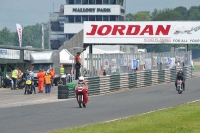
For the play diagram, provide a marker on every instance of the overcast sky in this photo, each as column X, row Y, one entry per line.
column 29, row 12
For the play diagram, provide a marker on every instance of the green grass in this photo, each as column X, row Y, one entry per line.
column 179, row 119
column 196, row 68
column 198, row 59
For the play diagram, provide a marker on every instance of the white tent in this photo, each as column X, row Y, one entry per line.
column 100, row 51
column 96, row 51
column 66, row 57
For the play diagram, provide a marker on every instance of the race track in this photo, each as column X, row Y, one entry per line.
column 46, row 117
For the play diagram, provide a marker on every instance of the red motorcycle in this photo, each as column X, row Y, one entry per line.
column 82, row 94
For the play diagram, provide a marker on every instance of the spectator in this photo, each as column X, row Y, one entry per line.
column 14, row 77
column 47, row 83
column 104, row 72
column 40, row 77
column 178, row 63
column 52, row 73
column 62, row 69
column 77, row 63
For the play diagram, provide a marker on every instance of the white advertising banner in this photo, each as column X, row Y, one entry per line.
column 144, row 32
column 148, row 63
column 113, row 65
column 106, row 63
column 129, row 62
column 19, row 31
column 172, row 63
column 9, row 54
column 125, row 62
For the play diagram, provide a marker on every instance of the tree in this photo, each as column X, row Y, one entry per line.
column 142, row 16
column 6, row 36
column 194, row 13
column 183, row 11
column 168, row 15
column 154, row 14
column 129, row 17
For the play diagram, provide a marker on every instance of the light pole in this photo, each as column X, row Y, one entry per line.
column 73, row 53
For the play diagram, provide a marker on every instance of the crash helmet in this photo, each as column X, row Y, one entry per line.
column 81, row 79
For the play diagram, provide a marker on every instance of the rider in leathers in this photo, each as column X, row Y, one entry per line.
column 180, row 76
column 81, row 81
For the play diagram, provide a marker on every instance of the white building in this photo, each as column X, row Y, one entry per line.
column 69, row 21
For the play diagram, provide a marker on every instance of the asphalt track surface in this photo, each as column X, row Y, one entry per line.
column 55, row 115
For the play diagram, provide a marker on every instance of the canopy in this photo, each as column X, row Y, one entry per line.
column 66, row 57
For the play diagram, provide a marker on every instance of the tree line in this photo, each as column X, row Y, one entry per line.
column 32, row 34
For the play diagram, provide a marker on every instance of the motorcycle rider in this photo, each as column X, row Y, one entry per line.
column 30, row 77
column 81, row 81
column 180, row 76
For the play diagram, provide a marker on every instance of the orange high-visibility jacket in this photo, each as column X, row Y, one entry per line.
column 47, row 79
column 52, row 73
column 77, row 57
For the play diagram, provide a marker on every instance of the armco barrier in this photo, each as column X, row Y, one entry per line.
column 107, row 84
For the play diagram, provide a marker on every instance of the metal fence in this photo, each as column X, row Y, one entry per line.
column 113, row 64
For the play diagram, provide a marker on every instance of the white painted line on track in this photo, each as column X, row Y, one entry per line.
column 24, row 103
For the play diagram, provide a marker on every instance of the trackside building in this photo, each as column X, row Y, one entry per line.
column 69, row 21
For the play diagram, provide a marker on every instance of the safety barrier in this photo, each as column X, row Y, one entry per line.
column 111, row 83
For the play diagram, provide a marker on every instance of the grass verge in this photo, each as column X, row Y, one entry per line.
column 196, row 68
column 179, row 119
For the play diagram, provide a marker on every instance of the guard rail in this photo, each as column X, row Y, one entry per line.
column 111, row 83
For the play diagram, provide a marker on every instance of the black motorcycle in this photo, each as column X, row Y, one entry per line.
column 21, row 83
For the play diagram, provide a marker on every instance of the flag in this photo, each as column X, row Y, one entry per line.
column 19, row 30
column 42, row 36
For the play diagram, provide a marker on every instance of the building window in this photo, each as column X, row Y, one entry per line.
column 77, row 1
column 121, row 2
column 70, row 36
column 78, row 19
column 85, row 18
column 91, row 2
column 105, row 18
column 105, row 1
column 91, row 18
column 121, row 18
column 71, row 19
column 71, row 1
column 112, row 18
column 99, row 18
column 122, row 11
column 98, row 1
column 85, row 1
column 113, row 2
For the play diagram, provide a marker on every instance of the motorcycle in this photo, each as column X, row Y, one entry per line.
column 81, row 95
column 28, row 87
column 21, row 83
column 179, row 86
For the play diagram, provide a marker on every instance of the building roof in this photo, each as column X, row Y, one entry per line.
column 22, row 48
